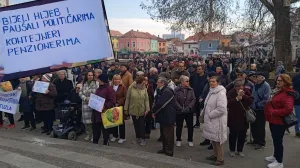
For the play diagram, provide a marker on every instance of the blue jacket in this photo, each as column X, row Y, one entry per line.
column 261, row 93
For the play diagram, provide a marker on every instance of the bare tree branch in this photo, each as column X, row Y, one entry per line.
column 268, row 5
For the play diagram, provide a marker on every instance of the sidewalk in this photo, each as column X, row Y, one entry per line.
column 185, row 154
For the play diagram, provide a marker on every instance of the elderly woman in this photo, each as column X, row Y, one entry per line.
column 63, row 86
column 106, row 92
column 185, row 100
column 26, row 105
column 121, row 91
column 89, row 87
column 215, row 119
column 6, row 87
column 45, row 104
column 137, row 105
column 279, row 105
column 97, row 73
column 238, row 99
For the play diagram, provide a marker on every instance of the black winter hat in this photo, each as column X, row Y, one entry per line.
column 103, row 77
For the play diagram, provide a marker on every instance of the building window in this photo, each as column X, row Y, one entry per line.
column 164, row 44
column 159, row 44
column 189, row 46
column 148, row 44
column 133, row 44
column 113, row 45
column 121, row 45
column 138, row 44
column 128, row 44
column 223, row 44
column 141, row 44
column 209, row 45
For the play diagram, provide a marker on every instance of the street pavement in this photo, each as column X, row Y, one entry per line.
column 25, row 149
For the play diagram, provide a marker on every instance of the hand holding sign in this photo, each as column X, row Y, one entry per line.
column 96, row 102
column 40, row 87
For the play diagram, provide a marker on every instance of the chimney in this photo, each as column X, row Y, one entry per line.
column 137, row 30
column 158, row 36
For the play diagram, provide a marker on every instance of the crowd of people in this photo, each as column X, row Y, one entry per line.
column 170, row 92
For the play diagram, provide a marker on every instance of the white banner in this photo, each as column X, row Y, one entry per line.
column 40, row 87
column 58, row 33
column 96, row 102
column 9, row 101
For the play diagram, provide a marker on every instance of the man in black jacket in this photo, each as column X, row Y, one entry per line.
column 198, row 83
column 165, row 109
column 63, row 87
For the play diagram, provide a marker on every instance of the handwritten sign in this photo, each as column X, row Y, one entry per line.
column 96, row 102
column 40, row 87
column 9, row 101
column 53, row 33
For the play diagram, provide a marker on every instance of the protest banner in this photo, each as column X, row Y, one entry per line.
column 96, row 102
column 9, row 101
column 52, row 34
column 40, row 87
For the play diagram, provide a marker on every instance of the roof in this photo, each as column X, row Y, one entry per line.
column 135, row 34
column 150, row 36
column 161, row 40
column 205, row 36
column 115, row 33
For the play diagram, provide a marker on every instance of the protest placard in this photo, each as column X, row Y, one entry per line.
column 40, row 87
column 9, row 101
column 52, row 34
column 96, row 102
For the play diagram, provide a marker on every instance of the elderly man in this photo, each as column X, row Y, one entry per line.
column 63, row 86
column 165, row 108
column 153, row 75
column 242, row 75
column 260, row 94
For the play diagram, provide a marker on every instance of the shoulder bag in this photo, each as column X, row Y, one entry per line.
column 289, row 120
column 250, row 114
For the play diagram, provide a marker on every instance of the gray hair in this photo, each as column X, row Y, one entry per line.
column 164, row 80
column 98, row 71
column 280, row 63
column 153, row 70
column 183, row 78
column 239, row 82
column 165, row 75
column 140, row 73
column 62, row 71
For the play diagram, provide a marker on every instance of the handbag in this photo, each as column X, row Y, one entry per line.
column 289, row 120
column 250, row 114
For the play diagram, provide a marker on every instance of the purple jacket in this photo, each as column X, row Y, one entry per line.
column 106, row 92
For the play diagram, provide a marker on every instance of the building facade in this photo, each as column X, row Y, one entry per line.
column 153, row 42
column 162, row 46
column 190, row 48
column 135, row 41
column 208, row 47
column 114, row 35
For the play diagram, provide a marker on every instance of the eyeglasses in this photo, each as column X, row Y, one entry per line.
column 240, row 74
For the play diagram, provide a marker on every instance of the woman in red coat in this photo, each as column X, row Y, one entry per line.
column 236, row 117
column 280, row 104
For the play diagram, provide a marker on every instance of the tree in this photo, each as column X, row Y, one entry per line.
column 202, row 14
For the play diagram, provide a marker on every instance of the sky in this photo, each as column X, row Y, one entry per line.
column 125, row 15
